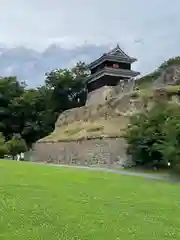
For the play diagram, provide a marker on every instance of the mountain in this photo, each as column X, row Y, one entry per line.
column 30, row 65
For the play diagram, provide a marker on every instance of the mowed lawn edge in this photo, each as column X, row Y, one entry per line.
column 42, row 202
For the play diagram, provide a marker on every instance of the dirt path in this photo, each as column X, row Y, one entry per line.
column 153, row 176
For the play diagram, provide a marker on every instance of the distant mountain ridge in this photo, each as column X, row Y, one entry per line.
column 30, row 65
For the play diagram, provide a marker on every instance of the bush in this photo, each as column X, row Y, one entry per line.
column 3, row 148
column 16, row 145
column 153, row 137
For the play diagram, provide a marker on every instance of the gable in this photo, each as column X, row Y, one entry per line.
column 118, row 52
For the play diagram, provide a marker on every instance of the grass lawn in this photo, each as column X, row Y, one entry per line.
column 41, row 202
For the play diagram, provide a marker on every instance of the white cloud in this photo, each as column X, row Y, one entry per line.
column 38, row 23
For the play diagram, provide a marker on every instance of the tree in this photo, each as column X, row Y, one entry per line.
column 16, row 145
column 32, row 113
column 28, row 115
column 10, row 88
column 169, row 146
column 3, row 148
column 67, row 87
column 153, row 136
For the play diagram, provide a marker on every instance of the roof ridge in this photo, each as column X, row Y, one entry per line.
column 116, row 50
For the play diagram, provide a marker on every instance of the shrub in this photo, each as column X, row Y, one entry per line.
column 3, row 148
column 16, row 145
column 153, row 136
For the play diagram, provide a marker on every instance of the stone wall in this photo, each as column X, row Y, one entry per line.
column 170, row 76
column 113, row 107
column 106, row 152
column 100, row 95
column 103, row 94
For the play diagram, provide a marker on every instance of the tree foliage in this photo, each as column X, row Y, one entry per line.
column 16, row 145
column 32, row 112
column 154, row 136
column 3, row 148
column 67, row 87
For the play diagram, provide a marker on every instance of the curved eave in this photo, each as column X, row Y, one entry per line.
column 112, row 72
column 111, row 58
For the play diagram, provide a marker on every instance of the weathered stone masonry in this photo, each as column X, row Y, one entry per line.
column 107, row 151
column 110, row 80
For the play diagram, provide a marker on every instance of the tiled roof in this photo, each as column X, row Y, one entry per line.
column 112, row 72
column 117, row 51
column 116, row 54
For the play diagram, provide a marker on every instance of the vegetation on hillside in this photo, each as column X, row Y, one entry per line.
column 148, row 79
column 153, row 137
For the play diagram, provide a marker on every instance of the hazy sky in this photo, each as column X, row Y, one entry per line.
column 148, row 30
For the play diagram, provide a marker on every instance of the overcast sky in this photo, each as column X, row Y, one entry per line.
column 148, row 30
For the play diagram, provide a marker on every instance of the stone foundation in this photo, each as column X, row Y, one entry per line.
column 104, row 152
column 105, row 93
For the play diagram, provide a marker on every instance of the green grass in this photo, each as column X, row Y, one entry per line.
column 45, row 202
column 164, row 172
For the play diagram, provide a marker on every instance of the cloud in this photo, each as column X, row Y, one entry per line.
column 148, row 30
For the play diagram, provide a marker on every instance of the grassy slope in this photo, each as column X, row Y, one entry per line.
column 115, row 123
column 43, row 202
column 80, row 129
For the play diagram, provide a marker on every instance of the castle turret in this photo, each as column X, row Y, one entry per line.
column 112, row 69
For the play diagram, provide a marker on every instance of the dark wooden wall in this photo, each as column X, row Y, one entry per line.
column 104, row 81
column 111, row 64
